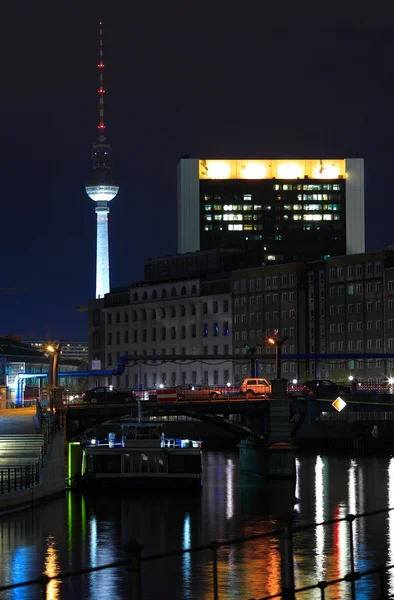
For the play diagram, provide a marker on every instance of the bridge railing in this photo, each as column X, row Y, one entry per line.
column 285, row 533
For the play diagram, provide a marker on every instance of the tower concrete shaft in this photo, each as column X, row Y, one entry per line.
column 102, row 251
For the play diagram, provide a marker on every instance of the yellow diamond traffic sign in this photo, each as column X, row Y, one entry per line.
column 339, row 404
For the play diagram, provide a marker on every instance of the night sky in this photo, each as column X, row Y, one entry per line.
column 216, row 79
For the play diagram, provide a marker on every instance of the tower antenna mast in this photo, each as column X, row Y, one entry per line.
column 101, row 91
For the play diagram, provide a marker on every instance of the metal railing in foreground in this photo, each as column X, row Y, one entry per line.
column 14, row 479
column 285, row 534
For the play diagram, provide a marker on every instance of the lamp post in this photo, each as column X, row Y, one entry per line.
column 251, row 350
column 53, row 353
column 278, row 343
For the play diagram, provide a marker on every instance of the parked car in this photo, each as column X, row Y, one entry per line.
column 255, row 386
column 324, row 387
column 104, row 395
column 196, row 392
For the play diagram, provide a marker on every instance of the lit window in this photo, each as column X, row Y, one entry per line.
column 327, row 217
column 257, row 207
column 297, row 206
column 235, row 227
column 297, row 217
column 217, row 207
column 217, row 217
column 312, row 217
column 207, row 217
column 208, row 207
column 247, row 197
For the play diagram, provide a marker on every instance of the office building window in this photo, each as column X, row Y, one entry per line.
column 109, row 338
column 205, row 330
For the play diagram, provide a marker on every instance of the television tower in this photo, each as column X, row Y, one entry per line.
column 101, row 188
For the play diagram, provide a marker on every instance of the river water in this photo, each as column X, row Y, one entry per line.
column 76, row 531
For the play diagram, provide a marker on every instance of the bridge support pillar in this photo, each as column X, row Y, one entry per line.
column 273, row 456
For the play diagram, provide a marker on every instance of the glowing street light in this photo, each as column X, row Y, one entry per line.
column 278, row 343
column 350, row 377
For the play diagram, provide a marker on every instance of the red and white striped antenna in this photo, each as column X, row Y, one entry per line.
column 101, row 91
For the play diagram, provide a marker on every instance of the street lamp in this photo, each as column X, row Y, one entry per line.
column 53, row 351
column 278, row 343
column 251, row 350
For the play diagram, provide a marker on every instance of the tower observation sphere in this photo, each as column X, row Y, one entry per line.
column 101, row 188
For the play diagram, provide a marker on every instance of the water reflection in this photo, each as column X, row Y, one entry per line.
column 390, row 533
column 319, row 517
column 52, row 568
column 186, row 558
column 92, row 531
column 230, row 491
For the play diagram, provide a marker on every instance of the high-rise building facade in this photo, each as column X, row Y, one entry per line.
column 273, row 210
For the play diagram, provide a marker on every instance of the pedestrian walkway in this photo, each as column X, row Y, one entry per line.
column 18, row 420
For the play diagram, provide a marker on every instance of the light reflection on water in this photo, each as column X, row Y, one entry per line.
column 74, row 532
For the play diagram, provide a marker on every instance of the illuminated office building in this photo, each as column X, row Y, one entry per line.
column 272, row 210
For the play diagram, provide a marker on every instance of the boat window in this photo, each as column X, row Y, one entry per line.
column 107, row 463
column 193, row 464
column 176, row 464
column 144, row 463
column 127, row 463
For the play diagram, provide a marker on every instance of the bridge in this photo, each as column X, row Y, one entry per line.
column 212, row 411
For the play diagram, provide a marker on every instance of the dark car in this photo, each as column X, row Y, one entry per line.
column 324, row 387
column 196, row 392
column 104, row 395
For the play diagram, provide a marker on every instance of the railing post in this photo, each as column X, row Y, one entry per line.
column 215, row 547
column 9, row 480
column 44, row 580
column 2, row 481
column 134, row 550
column 350, row 519
column 287, row 561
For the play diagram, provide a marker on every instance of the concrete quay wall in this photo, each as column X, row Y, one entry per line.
column 52, row 480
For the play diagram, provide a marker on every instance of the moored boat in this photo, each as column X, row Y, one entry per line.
column 141, row 458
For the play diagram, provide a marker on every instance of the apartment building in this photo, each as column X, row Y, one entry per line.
column 270, row 301
column 167, row 318
column 351, row 310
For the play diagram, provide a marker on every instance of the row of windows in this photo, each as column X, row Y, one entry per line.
column 162, row 333
column 285, row 297
column 259, row 334
column 356, row 289
column 371, row 363
column 260, row 349
column 286, row 314
column 359, row 345
column 171, row 311
column 314, row 187
column 370, row 269
column 359, row 326
column 163, row 293
column 357, row 308
column 155, row 379
column 269, row 281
